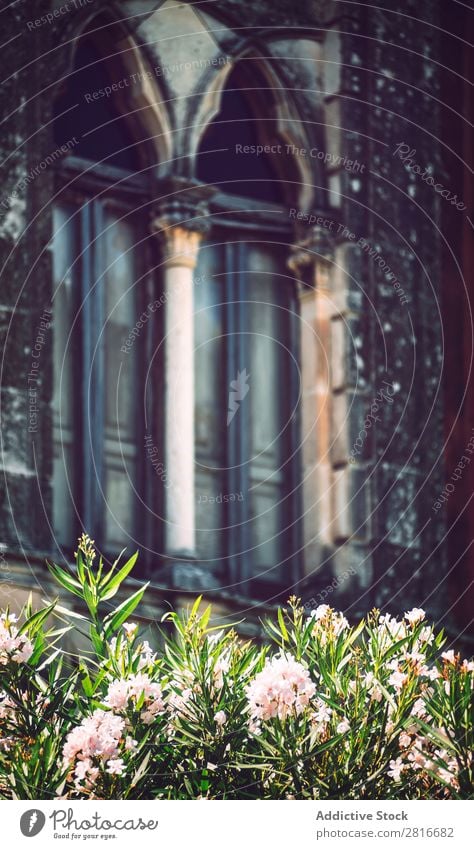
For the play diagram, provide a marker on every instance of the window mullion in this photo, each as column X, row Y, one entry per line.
column 92, row 370
column 87, row 511
column 244, row 423
column 98, row 365
column 232, row 517
column 295, row 492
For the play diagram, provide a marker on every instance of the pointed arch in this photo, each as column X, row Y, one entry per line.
column 277, row 122
column 111, row 90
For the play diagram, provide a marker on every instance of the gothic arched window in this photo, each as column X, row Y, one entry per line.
column 246, row 360
column 101, row 287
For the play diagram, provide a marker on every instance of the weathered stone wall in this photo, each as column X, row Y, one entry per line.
column 378, row 85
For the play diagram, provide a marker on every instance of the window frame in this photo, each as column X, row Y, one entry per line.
column 254, row 222
column 91, row 187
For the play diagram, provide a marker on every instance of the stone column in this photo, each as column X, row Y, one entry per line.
column 180, row 224
column 310, row 262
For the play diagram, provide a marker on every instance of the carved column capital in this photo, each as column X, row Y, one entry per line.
column 180, row 246
column 181, row 218
column 311, row 256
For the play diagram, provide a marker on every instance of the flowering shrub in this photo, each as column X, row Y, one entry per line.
column 323, row 710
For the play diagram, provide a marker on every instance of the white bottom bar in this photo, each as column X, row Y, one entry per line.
column 249, row 824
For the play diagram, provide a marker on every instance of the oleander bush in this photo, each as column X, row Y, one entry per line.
column 323, row 710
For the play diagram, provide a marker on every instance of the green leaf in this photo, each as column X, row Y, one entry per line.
column 195, row 608
column 49, row 659
column 109, row 574
column 141, row 769
column 80, row 566
column 65, row 579
column 33, row 624
column 205, row 617
column 114, row 620
column 110, row 587
column 282, row 625
column 96, row 640
column 72, row 613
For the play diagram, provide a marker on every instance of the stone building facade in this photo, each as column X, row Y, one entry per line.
column 221, row 298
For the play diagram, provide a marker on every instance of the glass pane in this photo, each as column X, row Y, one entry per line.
column 272, row 374
column 210, row 402
column 66, row 284
column 120, row 289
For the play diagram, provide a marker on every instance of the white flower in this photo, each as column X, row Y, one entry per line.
column 431, row 672
column 396, row 768
column 323, row 713
column 98, row 739
column 283, row 688
column 221, row 668
column 124, row 692
column 115, row 766
column 130, row 628
column 417, row 757
column 419, row 709
column 147, row 655
column 343, row 726
column 14, row 648
column 321, row 611
column 397, row 679
column 220, row 717
column 388, row 625
column 373, row 687
column 404, row 740
column 426, row 635
column 415, row 615
column 449, row 656
column 328, row 622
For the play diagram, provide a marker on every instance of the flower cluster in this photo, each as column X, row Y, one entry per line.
column 283, row 688
column 328, row 623
column 126, row 693
column 94, row 746
column 14, row 647
column 420, row 755
column 379, row 710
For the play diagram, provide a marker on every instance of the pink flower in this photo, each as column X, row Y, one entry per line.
column 220, row 718
column 328, row 622
column 283, row 688
column 14, row 648
column 124, row 693
column 115, row 766
column 397, row 679
column 415, row 615
column 389, row 626
column 96, row 740
column 373, row 687
column 419, row 709
column 396, row 768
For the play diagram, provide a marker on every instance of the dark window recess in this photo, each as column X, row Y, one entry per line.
column 102, row 133
column 98, row 392
column 246, row 367
column 241, row 122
